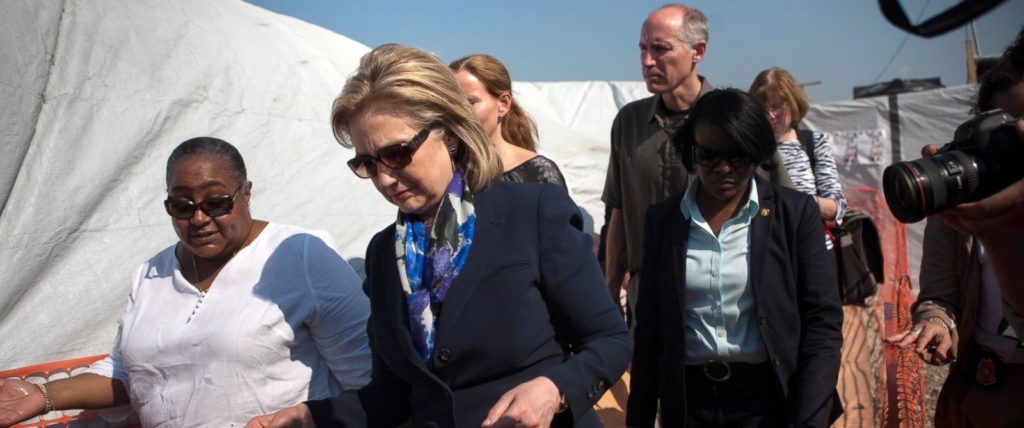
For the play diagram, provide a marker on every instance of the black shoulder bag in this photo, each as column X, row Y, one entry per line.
column 856, row 251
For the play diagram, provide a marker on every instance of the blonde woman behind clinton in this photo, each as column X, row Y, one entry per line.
column 488, row 87
column 786, row 104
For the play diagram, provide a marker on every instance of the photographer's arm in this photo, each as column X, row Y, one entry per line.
column 937, row 307
column 998, row 222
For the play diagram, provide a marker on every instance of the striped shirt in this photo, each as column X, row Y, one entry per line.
column 823, row 180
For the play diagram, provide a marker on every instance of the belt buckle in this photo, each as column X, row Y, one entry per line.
column 717, row 371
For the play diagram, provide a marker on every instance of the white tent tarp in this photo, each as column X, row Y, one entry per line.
column 97, row 93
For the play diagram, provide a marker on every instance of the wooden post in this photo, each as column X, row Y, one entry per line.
column 972, row 66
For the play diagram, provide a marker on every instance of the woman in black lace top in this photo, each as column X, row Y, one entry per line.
column 487, row 85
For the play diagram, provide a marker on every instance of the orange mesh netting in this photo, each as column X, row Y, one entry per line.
column 900, row 399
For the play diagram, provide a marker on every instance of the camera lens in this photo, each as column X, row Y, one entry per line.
column 916, row 189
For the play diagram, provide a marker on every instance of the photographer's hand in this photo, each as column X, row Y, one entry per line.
column 992, row 217
column 931, row 340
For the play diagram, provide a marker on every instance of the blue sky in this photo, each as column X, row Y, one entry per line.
column 842, row 43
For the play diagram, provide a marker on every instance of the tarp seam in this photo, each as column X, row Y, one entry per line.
column 39, row 109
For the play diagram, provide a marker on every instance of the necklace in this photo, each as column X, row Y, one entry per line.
column 196, row 272
column 195, row 268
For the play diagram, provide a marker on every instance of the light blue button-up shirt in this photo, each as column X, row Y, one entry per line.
column 721, row 321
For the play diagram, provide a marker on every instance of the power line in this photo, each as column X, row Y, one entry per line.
column 898, row 49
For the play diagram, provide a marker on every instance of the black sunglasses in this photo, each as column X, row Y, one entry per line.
column 710, row 158
column 395, row 156
column 216, row 206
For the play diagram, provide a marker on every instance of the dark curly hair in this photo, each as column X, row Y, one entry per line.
column 1005, row 74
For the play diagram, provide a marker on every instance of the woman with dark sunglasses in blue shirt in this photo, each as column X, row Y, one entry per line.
column 738, row 317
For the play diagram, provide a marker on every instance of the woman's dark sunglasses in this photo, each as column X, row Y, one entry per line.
column 710, row 158
column 216, row 206
column 395, row 156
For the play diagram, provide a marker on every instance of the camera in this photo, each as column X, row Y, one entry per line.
column 985, row 156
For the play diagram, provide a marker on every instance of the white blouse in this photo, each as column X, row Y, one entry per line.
column 284, row 322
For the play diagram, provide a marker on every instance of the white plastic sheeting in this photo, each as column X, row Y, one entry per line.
column 98, row 92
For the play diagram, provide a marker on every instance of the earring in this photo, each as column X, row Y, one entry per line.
column 453, row 149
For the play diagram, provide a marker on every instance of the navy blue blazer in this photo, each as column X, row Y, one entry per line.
column 529, row 302
column 795, row 296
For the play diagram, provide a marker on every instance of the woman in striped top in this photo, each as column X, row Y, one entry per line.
column 811, row 169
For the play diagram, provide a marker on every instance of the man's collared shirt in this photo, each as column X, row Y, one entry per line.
column 644, row 167
column 721, row 319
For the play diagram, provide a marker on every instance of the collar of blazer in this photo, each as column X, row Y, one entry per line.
column 761, row 230
column 486, row 245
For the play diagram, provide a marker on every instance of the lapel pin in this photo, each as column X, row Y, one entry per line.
column 764, row 212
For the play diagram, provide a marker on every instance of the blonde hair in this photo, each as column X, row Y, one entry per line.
column 417, row 86
column 516, row 127
column 778, row 82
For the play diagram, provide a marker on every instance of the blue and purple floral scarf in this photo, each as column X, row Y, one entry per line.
column 428, row 264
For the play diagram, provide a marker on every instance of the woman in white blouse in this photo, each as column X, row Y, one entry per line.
column 241, row 317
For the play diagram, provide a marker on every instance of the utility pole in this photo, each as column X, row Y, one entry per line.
column 971, row 50
column 972, row 66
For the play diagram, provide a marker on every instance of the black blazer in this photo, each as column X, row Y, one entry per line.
column 795, row 295
column 529, row 302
